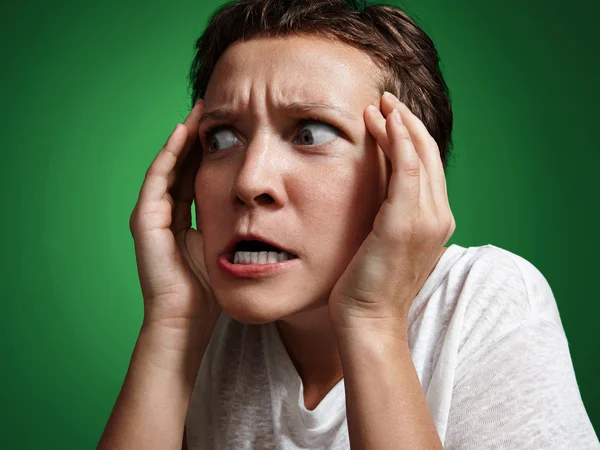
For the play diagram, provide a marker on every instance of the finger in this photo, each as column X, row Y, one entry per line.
column 183, row 190
column 405, row 182
column 191, row 123
column 188, row 165
column 162, row 173
column 428, row 151
column 376, row 125
column 425, row 145
column 157, row 176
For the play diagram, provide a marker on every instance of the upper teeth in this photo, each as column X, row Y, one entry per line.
column 260, row 257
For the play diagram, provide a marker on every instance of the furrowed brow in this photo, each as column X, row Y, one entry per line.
column 304, row 107
column 217, row 115
column 294, row 108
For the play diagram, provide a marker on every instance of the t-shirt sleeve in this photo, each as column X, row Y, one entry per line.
column 518, row 390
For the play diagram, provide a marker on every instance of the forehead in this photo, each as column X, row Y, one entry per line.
column 295, row 68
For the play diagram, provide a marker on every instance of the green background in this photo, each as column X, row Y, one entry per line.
column 90, row 92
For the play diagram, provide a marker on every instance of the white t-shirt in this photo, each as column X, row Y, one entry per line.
column 488, row 346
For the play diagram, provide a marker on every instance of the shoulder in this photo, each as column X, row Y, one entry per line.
column 509, row 358
column 490, row 276
column 541, row 301
column 481, row 294
column 501, row 281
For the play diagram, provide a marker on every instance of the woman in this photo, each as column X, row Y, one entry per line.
column 316, row 305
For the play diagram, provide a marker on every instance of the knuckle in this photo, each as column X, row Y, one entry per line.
column 400, row 105
column 152, row 171
column 430, row 229
column 432, row 141
column 133, row 220
column 446, row 228
column 412, row 169
column 450, row 228
column 403, row 133
column 452, row 225
column 412, row 227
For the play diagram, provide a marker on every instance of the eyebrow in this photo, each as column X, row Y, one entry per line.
column 225, row 114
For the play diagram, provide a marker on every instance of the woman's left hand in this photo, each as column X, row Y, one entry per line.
column 409, row 232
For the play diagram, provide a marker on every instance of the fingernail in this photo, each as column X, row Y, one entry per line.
column 389, row 95
column 397, row 117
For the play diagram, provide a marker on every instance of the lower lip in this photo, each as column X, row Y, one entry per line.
column 255, row 270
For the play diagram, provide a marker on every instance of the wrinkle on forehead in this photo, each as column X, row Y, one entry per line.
column 293, row 69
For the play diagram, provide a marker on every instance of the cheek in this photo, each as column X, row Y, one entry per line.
column 339, row 209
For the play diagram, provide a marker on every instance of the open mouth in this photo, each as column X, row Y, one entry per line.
column 257, row 252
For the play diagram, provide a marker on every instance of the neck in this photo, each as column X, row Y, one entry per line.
column 312, row 346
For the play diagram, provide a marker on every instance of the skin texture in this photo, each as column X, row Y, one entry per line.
column 319, row 201
column 365, row 207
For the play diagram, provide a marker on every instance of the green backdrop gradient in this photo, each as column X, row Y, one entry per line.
column 90, row 92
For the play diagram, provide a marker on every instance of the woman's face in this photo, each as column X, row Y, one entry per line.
column 291, row 162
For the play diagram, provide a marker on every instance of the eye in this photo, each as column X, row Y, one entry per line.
column 220, row 138
column 316, row 132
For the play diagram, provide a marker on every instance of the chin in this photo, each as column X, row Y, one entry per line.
column 258, row 306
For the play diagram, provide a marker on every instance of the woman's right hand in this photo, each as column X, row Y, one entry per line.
column 169, row 252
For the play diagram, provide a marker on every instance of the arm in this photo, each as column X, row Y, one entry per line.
column 385, row 404
column 520, row 392
column 151, row 408
column 369, row 304
column 180, row 311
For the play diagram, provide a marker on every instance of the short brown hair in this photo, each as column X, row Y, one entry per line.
column 399, row 47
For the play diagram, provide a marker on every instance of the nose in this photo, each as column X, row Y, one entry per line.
column 259, row 180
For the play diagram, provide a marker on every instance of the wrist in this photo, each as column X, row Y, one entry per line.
column 179, row 335
column 392, row 331
column 176, row 351
column 151, row 409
